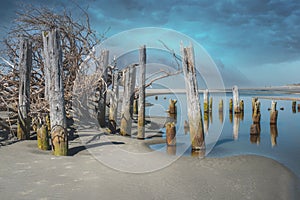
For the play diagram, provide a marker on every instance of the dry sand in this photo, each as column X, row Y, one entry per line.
column 28, row 173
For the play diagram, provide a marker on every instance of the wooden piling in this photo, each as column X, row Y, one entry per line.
column 242, row 105
column 42, row 136
column 256, row 113
column 205, row 101
column 193, row 102
column 254, row 99
column 294, row 103
column 141, row 100
column 135, row 106
column 129, row 75
column 25, row 64
column 210, row 104
column 170, row 133
column 172, row 106
column 273, row 113
column 230, row 105
column 236, row 102
column 53, row 61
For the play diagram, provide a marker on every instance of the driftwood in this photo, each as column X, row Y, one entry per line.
column 193, row 102
column 25, row 64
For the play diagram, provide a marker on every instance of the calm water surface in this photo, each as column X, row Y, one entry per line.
column 228, row 135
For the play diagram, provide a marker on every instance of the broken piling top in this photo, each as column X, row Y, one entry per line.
column 273, row 106
column 236, row 101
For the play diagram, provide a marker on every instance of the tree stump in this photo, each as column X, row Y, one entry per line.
column 53, row 61
column 129, row 75
column 193, row 102
column 25, row 64
column 43, row 137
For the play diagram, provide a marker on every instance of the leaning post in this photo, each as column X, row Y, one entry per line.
column 193, row 102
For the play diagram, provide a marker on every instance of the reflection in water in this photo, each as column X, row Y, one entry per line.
column 210, row 117
column 221, row 116
column 230, row 117
column 172, row 118
column 274, row 134
column 186, row 127
column 236, row 125
column 255, row 134
column 206, row 123
column 198, row 153
column 171, row 150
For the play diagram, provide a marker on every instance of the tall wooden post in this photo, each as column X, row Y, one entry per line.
column 193, row 102
column 141, row 100
column 53, row 61
column 25, row 64
column 129, row 76
column 114, row 98
column 102, row 99
column 256, row 113
column 236, row 102
column 205, row 100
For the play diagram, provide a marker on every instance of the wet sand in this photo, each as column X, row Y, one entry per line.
column 28, row 173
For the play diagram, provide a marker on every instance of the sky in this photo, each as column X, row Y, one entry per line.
column 253, row 42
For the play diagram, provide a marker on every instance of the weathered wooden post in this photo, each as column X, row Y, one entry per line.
column 230, row 117
column 193, row 103
column 256, row 113
column 205, row 100
column 114, row 98
column 103, row 89
column 242, row 105
column 274, row 134
column 210, row 104
column 129, row 75
column 25, row 64
column 170, row 133
column 273, row 113
column 135, row 106
column 298, row 107
column 53, row 61
column 141, row 100
column 294, row 103
column 236, row 102
column 230, row 105
column 172, row 106
column 42, row 135
column 254, row 99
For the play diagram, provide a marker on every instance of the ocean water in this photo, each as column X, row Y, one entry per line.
column 229, row 135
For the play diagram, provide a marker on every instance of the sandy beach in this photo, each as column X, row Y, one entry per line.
column 29, row 173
